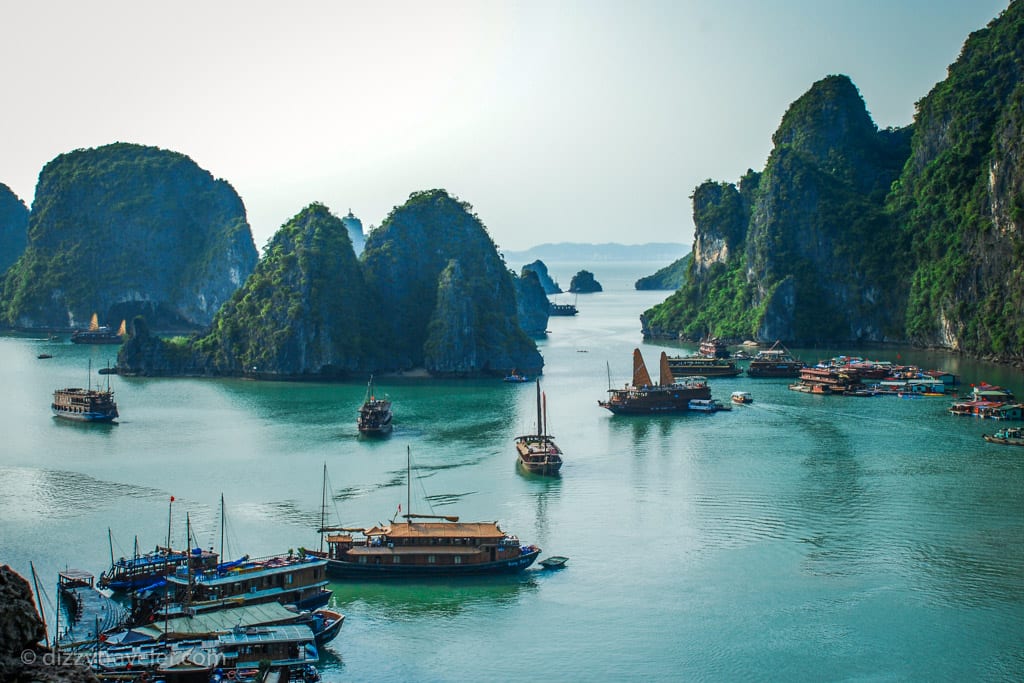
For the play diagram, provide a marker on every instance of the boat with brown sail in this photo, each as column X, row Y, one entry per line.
column 643, row 397
column 99, row 334
column 538, row 453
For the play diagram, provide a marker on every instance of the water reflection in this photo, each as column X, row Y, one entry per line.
column 428, row 598
column 32, row 494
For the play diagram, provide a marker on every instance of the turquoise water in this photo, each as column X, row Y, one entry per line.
column 798, row 538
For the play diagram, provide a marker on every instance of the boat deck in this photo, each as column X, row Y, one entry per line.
column 91, row 612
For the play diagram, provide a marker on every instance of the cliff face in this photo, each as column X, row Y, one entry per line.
column 801, row 251
column 431, row 292
column 305, row 311
column 855, row 234
column 126, row 229
column 541, row 269
column 431, row 235
column 22, row 658
column 532, row 305
column 961, row 199
column 13, row 227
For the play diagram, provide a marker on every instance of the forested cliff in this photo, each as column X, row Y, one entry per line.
column 851, row 233
column 430, row 291
column 13, row 227
column 125, row 229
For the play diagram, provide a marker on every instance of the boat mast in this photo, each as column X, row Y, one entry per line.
column 323, row 508
column 89, row 378
column 110, row 540
column 408, row 483
column 222, row 527
column 540, row 424
column 169, row 506
column 39, row 600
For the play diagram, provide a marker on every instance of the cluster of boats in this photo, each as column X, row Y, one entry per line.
column 176, row 614
column 713, row 359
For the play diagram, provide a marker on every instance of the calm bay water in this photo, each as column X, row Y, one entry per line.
column 798, row 538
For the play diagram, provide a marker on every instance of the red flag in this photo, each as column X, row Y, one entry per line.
column 172, row 499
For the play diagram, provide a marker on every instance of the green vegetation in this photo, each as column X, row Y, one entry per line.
column 126, row 223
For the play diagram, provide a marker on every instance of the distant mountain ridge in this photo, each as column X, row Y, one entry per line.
column 583, row 252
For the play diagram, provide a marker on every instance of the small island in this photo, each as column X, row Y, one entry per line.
column 583, row 282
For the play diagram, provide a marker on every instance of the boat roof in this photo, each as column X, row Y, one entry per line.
column 286, row 632
column 440, row 530
column 244, row 573
column 218, row 620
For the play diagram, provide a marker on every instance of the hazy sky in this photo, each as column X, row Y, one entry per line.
column 559, row 121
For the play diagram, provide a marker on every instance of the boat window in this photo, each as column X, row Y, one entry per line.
column 397, row 559
column 431, row 559
column 458, row 559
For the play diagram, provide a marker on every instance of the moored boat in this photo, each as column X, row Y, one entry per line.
column 561, row 309
column 515, row 378
column 375, row 415
column 702, row 366
column 741, row 397
column 538, row 453
column 1011, row 436
column 85, row 405
column 713, row 347
column 643, row 397
column 553, row 562
column 423, row 545
column 776, row 361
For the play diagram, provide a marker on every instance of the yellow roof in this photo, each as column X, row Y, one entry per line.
column 445, row 530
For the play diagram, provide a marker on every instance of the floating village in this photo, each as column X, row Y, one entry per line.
column 193, row 614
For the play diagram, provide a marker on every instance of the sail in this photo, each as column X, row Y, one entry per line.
column 666, row 376
column 94, row 324
column 640, row 376
column 121, row 330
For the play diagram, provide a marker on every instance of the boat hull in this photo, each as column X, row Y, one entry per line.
column 341, row 569
column 84, row 417
column 1005, row 442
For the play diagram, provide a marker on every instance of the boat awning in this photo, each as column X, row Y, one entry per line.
column 219, row 620
column 446, row 530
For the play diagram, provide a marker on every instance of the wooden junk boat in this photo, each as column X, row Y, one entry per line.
column 442, row 546
column 98, row 334
column 538, row 452
column 702, row 366
column 643, row 397
column 85, row 405
column 375, row 415
column 775, row 362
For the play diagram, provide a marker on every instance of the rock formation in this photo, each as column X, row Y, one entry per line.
column 532, row 304
column 122, row 230
column 22, row 658
column 672, row 276
column 13, row 227
column 427, row 251
column 431, row 292
column 355, row 232
column 583, row 282
column 538, row 267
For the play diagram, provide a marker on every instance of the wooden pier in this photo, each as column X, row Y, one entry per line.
column 89, row 612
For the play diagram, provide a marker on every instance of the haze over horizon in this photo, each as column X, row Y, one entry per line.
column 562, row 122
